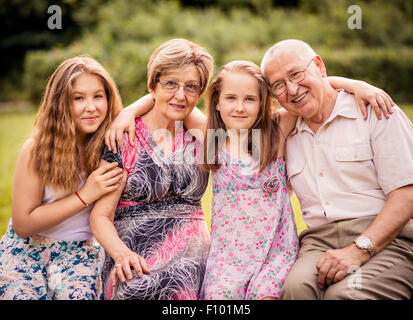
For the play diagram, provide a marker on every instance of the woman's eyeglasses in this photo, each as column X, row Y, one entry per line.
column 172, row 86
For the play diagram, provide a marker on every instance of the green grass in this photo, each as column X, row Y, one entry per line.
column 16, row 127
column 408, row 110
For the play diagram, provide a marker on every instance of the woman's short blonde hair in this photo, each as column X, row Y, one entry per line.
column 177, row 53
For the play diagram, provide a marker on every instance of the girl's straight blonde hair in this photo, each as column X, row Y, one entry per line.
column 56, row 152
column 265, row 121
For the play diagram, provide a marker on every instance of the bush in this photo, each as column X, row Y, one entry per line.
column 388, row 69
column 126, row 34
column 39, row 66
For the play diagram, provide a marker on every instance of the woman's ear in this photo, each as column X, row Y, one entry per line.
column 152, row 93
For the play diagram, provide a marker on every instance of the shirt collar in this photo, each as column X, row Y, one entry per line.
column 345, row 106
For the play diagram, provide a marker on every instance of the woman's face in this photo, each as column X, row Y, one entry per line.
column 176, row 105
column 89, row 103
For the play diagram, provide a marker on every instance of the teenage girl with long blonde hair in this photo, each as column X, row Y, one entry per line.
column 48, row 251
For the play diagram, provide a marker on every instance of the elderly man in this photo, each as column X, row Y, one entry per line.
column 354, row 180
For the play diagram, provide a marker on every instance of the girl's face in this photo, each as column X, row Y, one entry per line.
column 89, row 104
column 239, row 100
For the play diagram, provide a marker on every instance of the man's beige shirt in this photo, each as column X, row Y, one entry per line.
column 347, row 167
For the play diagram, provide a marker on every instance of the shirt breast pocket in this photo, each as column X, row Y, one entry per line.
column 354, row 152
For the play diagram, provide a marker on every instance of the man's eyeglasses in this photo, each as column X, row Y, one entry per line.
column 171, row 86
column 279, row 87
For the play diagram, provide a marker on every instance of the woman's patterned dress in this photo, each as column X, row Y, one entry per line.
column 159, row 216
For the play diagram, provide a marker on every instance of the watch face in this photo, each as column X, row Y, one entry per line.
column 363, row 242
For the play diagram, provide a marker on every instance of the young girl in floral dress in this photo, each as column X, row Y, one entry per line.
column 254, row 240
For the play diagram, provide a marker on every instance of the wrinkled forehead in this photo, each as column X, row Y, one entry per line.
column 185, row 73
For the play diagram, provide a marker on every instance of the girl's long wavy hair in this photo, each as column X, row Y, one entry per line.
column 265, row 121
column 56, row 152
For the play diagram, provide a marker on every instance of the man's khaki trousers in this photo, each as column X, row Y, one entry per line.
column 387, row 275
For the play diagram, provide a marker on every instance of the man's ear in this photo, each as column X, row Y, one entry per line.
column 320, row 65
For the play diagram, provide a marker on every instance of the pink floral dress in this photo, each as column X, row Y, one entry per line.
column 254, row 239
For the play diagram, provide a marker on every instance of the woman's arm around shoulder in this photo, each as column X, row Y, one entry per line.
column 196, row 123
column 125, row 122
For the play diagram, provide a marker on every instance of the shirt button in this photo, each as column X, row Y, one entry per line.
column 321, row 174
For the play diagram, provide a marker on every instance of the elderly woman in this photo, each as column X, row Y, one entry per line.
column 153, row 228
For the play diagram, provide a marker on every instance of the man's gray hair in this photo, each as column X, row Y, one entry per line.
column 299, row 45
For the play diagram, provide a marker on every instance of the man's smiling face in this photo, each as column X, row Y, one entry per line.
column 304, row 98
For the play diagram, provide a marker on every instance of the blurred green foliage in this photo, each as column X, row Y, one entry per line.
column 122, row 34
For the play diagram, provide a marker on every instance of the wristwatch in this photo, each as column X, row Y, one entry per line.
column 364, row 243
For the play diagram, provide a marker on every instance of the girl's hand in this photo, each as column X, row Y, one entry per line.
column 122, row 269
column 124, row 122
column 103, row 180
column 378, row 99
